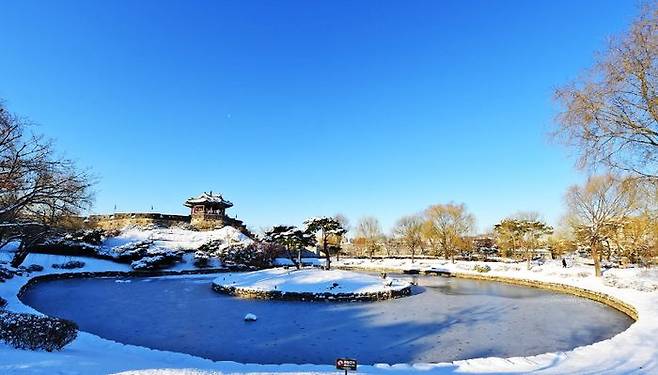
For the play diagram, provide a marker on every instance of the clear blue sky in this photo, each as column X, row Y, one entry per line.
column 295, row 109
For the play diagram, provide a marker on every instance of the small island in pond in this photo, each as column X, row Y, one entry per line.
column 311, row 284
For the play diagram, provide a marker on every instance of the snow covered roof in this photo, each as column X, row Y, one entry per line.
column 209, row 199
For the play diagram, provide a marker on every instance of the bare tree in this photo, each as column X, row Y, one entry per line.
column 610, row 116
column 409, row 230
column 601, row 204
column 38, row 189
column 449, row 224
column 369, row 232
column 345, row 223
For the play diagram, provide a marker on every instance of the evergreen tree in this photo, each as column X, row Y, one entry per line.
column 325, row 227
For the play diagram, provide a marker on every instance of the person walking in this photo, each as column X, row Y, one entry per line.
column 564, row 263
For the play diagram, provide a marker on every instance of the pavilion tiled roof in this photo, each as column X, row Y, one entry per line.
column 208, row 199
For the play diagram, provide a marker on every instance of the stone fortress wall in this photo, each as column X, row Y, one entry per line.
column 121, row 220
column 207, row 213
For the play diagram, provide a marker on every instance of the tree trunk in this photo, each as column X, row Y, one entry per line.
column 26, row 246
column 413, row 255
column 20, row 255
column 326, row 252
column 529, row 258
column 291, row 257
column 597, row 259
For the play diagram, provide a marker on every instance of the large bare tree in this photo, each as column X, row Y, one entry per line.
column 369, row 234
column 39, row 190
column 610, row 115
column 409, row 230
column 449, row 225
column 599, row 206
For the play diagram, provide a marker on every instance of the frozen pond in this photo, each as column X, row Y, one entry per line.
column 446, row 319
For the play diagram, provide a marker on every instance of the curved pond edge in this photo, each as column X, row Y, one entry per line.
column 100, row 274
column 601, row 297
column 629, row 350
column 309, row 296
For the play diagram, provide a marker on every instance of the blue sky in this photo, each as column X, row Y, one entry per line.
column 296, row 109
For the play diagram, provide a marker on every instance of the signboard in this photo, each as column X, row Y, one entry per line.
column 346, row 364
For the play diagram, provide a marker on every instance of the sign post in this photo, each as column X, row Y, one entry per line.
column 346, row 364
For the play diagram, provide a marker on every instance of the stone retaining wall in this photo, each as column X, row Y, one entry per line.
column 87, row 275
column 308, row 296
column 556, row 287
column 122, row 220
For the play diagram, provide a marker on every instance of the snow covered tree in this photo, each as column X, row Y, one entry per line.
column 508, row 236
column 39, row 191
column 533, row 234
column 325, row 227
column 524, row 234
column 292, row 239
column 409, row 231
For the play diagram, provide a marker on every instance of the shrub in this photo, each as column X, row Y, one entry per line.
column 34, row 268
column 90, row 236
column 81, row 243
column 482, row 268
column 5, row 274
column 28, row 331
column 132, row 250
column 252, row 255
column 156, row 259
column 201, row 259
column 3, row 302
column 70, row 265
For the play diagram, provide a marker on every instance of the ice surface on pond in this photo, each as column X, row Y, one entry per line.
column 447, row 319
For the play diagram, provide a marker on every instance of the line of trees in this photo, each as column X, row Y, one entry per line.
column 608, row 218
column 441, row 230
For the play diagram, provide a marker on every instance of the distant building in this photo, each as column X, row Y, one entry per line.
column 208, row 211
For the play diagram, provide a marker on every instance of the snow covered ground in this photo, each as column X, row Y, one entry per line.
column 176, row 238
column 634, row 351
column 309, row 280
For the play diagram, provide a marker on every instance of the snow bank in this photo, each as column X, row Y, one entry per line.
column 177, row 238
